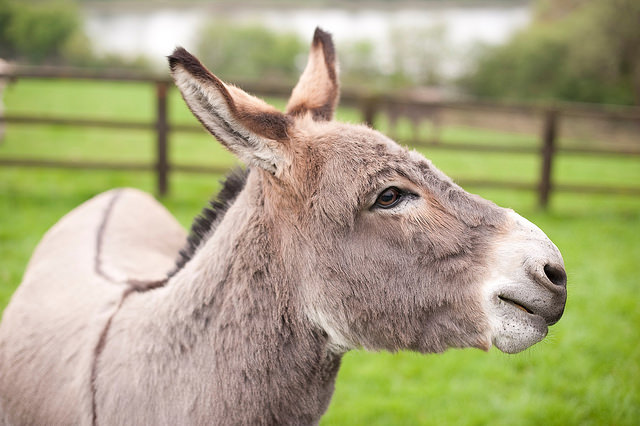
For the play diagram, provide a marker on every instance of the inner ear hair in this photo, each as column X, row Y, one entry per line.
column 252, row 112
column 253, row 130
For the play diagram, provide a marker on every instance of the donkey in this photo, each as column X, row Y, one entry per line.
column 334, row 238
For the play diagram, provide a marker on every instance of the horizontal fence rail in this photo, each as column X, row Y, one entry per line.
column 371, row 107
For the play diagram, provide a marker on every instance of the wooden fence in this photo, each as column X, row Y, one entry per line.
column 371, row 107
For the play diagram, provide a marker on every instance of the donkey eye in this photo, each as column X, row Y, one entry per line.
column 389, row 198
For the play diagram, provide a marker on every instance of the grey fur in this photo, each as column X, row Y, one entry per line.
column 302, row 267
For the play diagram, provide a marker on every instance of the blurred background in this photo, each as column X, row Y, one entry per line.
column 574, row 50
column 533, row 104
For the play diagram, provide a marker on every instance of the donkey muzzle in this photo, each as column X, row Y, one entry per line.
column 527, row 289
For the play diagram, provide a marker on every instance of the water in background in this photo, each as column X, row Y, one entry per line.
column 155, row 32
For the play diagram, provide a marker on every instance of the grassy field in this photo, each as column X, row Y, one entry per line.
column 586, row 372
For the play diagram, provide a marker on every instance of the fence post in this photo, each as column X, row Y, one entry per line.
column 369, row 110
column 549, row 134
column 162, row 128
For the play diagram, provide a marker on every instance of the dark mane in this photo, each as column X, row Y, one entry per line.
column 207, row 221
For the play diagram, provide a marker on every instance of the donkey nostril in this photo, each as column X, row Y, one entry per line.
column 556, row 275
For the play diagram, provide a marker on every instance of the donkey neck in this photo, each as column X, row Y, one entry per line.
column 232, row 311
column 238, row 270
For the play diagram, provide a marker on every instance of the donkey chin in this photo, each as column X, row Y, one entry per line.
column 526, row 291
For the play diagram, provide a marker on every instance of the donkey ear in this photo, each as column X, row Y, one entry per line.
column 317, row 90
column 253, row 130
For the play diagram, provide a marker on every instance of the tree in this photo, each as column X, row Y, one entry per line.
column 576, row 50
column 37, row 31
column 250, row 52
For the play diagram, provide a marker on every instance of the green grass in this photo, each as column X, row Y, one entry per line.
column 586, row 372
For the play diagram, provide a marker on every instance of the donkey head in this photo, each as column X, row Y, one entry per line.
column 387, row 251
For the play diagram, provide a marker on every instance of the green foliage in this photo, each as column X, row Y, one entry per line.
column 357, row 62
column 418, row 53
column 585, row 51
column 50, row 32
column 417, row 57
column 253, row 52
column 37, row 31
column 250, row 52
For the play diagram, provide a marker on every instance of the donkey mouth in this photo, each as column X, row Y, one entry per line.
column 550, row 313
column 516, row 304
column 516, row 325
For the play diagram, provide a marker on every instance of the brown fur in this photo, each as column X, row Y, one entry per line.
column 301, row 266
column 317, row 91
column 258, row 116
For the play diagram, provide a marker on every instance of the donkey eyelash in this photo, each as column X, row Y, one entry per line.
column 391, row 198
